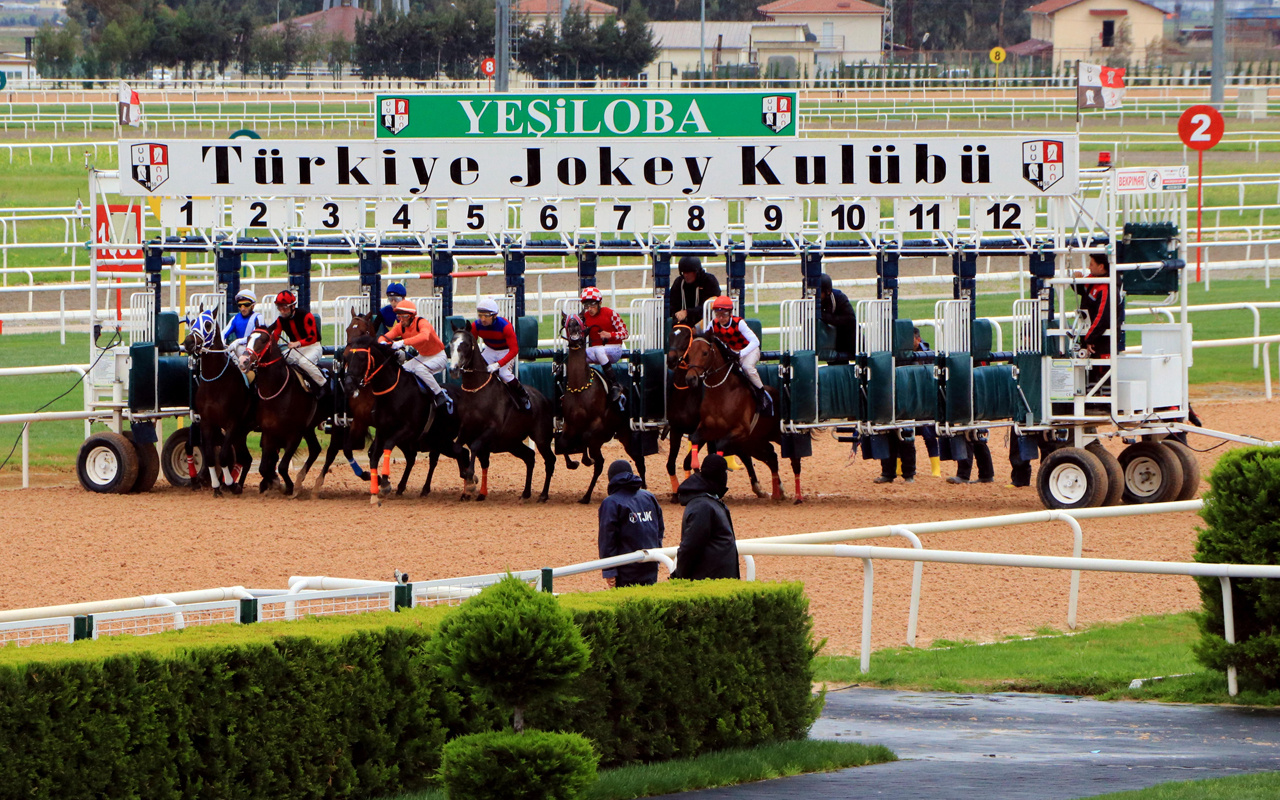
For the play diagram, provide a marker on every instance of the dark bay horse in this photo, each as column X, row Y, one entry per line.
column 684, row 411
column 730, row 420
column 490, row 421
column 224, row 406
column 287, row 412
column 403, row 415
column 590, row 419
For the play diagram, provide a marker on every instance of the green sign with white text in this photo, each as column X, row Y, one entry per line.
column 560, row 116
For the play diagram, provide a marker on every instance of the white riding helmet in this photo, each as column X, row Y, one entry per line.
column 487, row 305
column 245, row 296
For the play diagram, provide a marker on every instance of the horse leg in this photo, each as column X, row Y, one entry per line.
column 267, row 469
column 313, row 452
column 672, row 455
column 597, row 459
column 548, row 460
column 635, row 449
column 770, row 458
column 749, row 463
column 469, row 476
column 211, row 435
column 795, row 470
column 522, row 452
column 433, row 458
column 410, row 458
column 484, row 476
column 286, row 460
column 337, row 441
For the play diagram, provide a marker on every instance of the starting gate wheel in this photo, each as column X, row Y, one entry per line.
column 148, row 464
column 173, row 459
column 1115, row 475
column 1152, row 473
column 1071, row 477
column 1190, row 468
column 107, row 464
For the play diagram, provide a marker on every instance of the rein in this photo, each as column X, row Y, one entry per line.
column 370, row 372
column 727, row 366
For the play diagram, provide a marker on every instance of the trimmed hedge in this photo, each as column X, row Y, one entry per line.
column 504, row 765
column 351, row 707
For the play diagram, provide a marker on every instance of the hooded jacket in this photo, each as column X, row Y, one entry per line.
column 690, row 296
column 630, row 520
column 837, row 312
column 707, row 545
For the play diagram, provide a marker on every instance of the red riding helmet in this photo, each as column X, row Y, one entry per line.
column 722, row 302
column 591, row 295
column 286, row 298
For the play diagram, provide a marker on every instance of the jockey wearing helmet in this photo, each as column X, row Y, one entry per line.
column 734, row 332
column 500, row 347
column 236, row 334
column 387, row 314
column 411, row 330
column 605, row 333
column 303, row 332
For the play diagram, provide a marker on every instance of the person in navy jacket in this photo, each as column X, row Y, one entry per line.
column 630, row 520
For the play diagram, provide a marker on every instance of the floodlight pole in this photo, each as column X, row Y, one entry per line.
column 502, row 45
column 702, row 44
column 1217, row 78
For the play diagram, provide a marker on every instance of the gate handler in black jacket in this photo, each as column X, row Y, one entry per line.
column 689, row 291
column 707, row 545
column 630, row 520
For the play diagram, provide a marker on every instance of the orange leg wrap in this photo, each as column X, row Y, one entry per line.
column 799, row 494
column 373, row 481
column 675, row 485
column 386, row 463
column 484, row 481
column 697, row 462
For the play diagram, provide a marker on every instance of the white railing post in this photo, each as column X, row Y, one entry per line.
column 1229, row 630
column 868, row 577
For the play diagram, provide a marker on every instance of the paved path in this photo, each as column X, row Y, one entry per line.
column 1024, row 747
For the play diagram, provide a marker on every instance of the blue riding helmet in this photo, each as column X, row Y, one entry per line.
column 396, row 289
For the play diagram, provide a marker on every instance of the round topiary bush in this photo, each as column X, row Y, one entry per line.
column 1242, row 527
column 504, row 765
column 511, row 644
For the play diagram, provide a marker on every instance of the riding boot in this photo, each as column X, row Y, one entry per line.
column 519, row 394
column 615, row 391
column 764, row 402
column 443, row 400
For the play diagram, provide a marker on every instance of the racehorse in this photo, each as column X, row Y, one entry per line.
column 224, row 406
column 730, row 420
column 590, row 419
column 287, row 411
column 491, row 422
column 403, row 415
column 684, row 410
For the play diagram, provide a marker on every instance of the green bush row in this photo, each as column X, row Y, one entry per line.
column 352, row 708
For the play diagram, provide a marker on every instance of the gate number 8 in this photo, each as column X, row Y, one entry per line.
column 697, row 220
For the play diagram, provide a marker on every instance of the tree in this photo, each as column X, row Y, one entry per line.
column 56, row 50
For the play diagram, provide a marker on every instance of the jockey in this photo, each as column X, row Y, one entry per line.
column 605, row 330
column 738, row 337
column 413, row 331
column 500, row 347
column 236, row 334
column 303, row 332
column 387, row 314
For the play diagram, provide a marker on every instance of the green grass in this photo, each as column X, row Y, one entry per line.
column 51, row 443
column 1262, row 786
column 725, row 768
column 1101, row 660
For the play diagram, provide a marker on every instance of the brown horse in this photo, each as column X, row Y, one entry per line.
column 730, row 420
column 287, row 412
column 684, row 410
column 489, row 421
column 224, row 406
column 590, row 419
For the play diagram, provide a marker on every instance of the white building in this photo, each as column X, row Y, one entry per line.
column 847, row 31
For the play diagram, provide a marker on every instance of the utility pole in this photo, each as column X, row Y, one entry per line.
column 1217, row 78
column 702, row 44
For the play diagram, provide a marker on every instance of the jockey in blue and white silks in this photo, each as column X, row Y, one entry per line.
column 243, row 323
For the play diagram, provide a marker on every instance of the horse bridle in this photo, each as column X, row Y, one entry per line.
column 255, row 362
column 591, row 374
column 487, row 380
column 370, row 371
column 198, row 332
column 703, row 372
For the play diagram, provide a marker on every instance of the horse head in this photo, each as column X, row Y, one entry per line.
column 362, row 358
column 360, row 325
column 204, row 331
column 682, row 337
column 256, row 348
column 574, row 331
column 464, row 352
column 703, row 358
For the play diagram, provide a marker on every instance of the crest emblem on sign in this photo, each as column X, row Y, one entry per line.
column 775, row 112
column 1043, row 163
column 150, row 164
column 395, row 114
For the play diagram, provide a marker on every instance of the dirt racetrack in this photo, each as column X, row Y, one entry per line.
column 64, row 545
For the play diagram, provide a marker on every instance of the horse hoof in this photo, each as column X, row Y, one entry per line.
column 399, row 491
column 302, row 494
column 798, row 501
column 217, row 493
column 464, row 498
column 572, row 464
column 374, row 500
column 762, row 494
column 542, row 498
column 424, row 493
column 585, row 501
column 237, row 488
column 675, row 499
column 362, row 475
column 480, row 498
column 264, row 487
